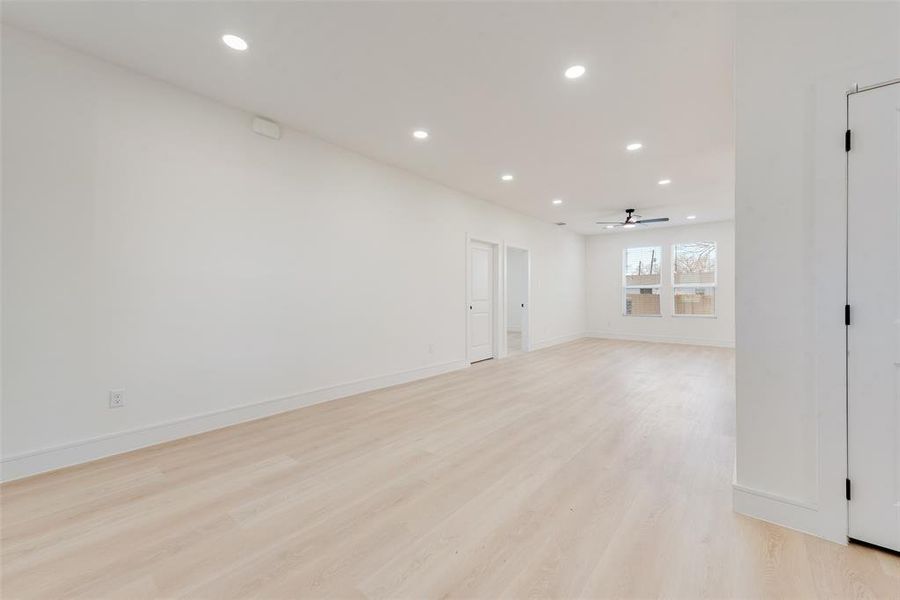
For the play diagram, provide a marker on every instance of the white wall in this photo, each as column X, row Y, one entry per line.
column 152, row 242
column 604, row 287
column 794, row 63
column 517, row 287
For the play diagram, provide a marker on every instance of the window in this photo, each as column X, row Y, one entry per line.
column 694, row 272
column 641, row 281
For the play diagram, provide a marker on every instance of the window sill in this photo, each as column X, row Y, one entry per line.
column 695, row 316
column 642, row 316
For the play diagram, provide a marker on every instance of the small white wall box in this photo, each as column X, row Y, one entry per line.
column 268, row 128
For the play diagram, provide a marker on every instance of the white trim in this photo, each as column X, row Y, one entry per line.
column 786, row 512
column 48, row 459
column 554, row 341
column 663, row 339
column 856, row 89
column 743, row 489
column 679, row 286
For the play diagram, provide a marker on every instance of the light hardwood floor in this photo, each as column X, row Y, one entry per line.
column 591, row 469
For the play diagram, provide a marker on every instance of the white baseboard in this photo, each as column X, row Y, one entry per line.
column 48, row 459
column 772, row 508
column 562, row 339
column 793, row 514
column 665, row 339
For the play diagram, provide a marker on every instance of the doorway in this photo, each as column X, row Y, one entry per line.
column 518, row 300
column 873, row 315
column 482, row 293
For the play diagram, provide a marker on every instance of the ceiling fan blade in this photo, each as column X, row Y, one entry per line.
column 660, row 220
column 610, row 223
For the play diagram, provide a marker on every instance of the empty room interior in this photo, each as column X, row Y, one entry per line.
column 450, row 299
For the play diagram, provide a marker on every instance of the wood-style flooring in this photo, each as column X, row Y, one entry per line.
column 593, row 469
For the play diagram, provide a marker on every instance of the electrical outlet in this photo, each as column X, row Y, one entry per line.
column 116, row 398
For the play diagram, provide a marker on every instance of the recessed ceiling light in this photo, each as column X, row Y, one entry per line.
column 420, row 134
column 691, row 217
column 557, row 201
column 575, row 71
column 665, row 181
column 506, row 177
column 610, row 226
column 629, row 226
column 634, row 146
column 234, row 42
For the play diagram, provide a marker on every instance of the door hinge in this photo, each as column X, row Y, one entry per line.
column 848, row 488
column 847, row 141
column 846, row 314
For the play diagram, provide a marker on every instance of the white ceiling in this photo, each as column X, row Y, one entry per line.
column 485, row 79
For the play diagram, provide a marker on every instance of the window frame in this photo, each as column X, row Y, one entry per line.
column 626, row 287
column 714, row 285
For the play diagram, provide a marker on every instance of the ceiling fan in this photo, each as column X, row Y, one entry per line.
column 631, row 220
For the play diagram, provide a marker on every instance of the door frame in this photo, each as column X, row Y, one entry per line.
column 499, row 316
column 526, row 323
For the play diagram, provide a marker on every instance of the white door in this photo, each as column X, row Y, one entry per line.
column 481, row 301
column 873, row 336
